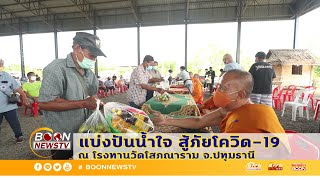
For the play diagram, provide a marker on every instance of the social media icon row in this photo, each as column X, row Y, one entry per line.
column 56, row 167
column 277, row 167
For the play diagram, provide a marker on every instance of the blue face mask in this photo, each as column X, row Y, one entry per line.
column 149, row 68
column 86, row 62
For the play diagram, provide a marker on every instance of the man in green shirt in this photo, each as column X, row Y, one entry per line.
column 32, row 87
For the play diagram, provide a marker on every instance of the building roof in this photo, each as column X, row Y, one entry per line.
column 291, row 57
column 36, row 16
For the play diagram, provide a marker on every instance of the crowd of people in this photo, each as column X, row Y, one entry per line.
column 68, row 93
column 113, row 85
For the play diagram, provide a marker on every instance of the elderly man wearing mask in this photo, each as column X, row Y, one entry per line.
column 69, row 88
column 236, row 112
column 8, row 85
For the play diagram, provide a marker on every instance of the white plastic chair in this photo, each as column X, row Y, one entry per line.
column 299, row 103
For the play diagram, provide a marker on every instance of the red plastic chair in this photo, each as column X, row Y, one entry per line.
column 276, row 97
column 113, row 92
column 121, row 86
column 302, row 147
column 102, row 94
column 289, row 94
column 34, row 110
column 313, row 105
column 125, row 88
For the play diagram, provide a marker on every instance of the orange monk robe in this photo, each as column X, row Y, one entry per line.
column 255, row 118
column 197, row 92
column 251, row 118
column 208, row 104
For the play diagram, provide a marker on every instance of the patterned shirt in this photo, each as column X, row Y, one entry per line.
column 135, row 93
column 60, row 81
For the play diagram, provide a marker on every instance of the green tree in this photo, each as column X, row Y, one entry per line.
column 209, row 56
column 165, row 66
column 316, row 76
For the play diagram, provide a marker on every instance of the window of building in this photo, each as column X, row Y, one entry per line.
column 297, row 70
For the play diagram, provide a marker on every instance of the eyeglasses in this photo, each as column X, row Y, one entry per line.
column 221, row 88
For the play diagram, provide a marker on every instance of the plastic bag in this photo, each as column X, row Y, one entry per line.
column 125, row 119
column 95, row 123
column 163, row 97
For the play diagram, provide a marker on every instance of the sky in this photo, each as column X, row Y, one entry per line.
column 167, row 42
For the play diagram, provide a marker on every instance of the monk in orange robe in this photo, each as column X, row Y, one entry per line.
column 197, row 91
column 251, row 118
column 236, row 113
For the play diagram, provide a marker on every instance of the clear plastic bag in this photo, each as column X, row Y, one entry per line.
column 95, row 123
column 125, row 119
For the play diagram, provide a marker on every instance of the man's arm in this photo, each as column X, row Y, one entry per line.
column 212, row 119
column 60, row 104
column 150, row 88
column 17, row 88
column 138, row 76
column 154, row 80
column 23, row 96
column 252, row 69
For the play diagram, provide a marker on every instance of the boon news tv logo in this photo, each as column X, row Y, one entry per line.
column 44, row 139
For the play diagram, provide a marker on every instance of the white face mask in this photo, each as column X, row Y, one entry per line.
column 33, row 78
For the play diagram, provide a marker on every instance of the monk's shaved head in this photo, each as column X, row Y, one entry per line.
column 196, row 76
column 242, row 80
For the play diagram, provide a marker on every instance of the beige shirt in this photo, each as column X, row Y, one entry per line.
column 154, row 74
